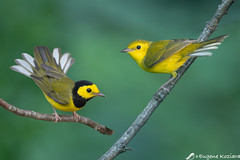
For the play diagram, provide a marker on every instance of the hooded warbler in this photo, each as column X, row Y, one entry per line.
column 48, row 70
column 166, row 56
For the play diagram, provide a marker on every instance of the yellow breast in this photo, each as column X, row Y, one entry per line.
column 168, row 65
column 63, row 107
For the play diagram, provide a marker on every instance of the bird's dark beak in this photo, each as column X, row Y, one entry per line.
column 126, row 50
column 99, row 94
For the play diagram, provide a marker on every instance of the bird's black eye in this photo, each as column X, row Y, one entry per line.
column 138, row 47
column 89, row 90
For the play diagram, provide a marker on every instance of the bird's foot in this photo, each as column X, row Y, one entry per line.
column 75, row 115
column 57, row 118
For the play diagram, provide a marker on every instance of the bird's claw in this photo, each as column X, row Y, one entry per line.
column 57, row 118
column 75, row 115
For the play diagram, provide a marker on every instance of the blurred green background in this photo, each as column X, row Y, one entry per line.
column 201, row 115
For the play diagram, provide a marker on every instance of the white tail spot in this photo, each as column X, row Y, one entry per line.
column 21, row 70
column 56, row 54
column 24, row 64
column 201, row 54
column 64, row 60
column 28, row 58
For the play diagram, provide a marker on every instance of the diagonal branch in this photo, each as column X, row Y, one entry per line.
column 121, row 145
column 49, row 117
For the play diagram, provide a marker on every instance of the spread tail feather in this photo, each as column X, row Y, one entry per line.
column 207, row 45
column 21, row 70
column 200, row 54
column 25, row 66
column 65, row 61
column 30, row 66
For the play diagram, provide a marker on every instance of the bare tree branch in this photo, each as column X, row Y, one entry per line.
column 120, row 145
column 50, row 117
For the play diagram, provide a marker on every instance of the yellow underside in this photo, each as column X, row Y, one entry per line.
column 168, row 65
column 63, row 107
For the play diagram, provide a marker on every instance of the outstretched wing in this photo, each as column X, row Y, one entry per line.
column 161, row 50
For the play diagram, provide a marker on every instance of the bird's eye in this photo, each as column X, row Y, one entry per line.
column 89, row 90
column 138, row 47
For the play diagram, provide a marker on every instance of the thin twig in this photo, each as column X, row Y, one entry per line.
column 121, row 144
column 50, row 117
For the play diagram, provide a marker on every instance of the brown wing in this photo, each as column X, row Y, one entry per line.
column 160, row 50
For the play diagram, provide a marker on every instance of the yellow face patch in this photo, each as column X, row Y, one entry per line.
column 138, row 49
column 88, row 91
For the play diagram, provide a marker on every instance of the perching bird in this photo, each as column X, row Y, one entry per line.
column 166, row 56
column 48, row 70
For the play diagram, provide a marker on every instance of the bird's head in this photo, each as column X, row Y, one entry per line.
column 84, row 91
column 138, row 49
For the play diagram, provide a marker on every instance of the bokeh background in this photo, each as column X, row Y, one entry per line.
column 201, row 115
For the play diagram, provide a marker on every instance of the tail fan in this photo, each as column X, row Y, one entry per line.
column 64, row 61
column 205, row 46
column 25, row 66
column 29, row 66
